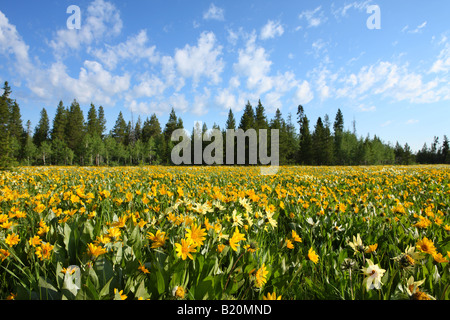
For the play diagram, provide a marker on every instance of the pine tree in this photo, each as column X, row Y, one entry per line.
column 151, row 128
column 138, row 129
column 291, row 141
column 119, row 132
column 60, row 122
column 101, row 121
column 75, row 130
column 278, row 123
column 305, row 140
column 231, row 122
column 171, row 125
column 260, row 117
column 5, row 149
column 328, row 142
column 29, row 149
column 92, row 125
column 15, row 122
column 445, row 150
column 10, row 128
column 41, row 132
column 318, row 142
column 338, row 128
column 248, row 118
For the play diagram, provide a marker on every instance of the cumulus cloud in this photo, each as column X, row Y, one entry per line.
column 254, row 64
column 271, row 29
column 102, row 19
column 393, row 81
column 214, row 13
column 134, row 48
column 12, row 44
column 94, row 83
column 304, row 94
column 202, row 60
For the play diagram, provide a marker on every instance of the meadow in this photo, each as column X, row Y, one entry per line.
column 156, row 232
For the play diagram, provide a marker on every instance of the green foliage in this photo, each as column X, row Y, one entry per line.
column 75, row 140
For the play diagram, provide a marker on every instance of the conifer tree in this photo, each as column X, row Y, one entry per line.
column 41, row 132
column 338, row 128
column 60, row 121
column 75, row 130
column 4, row 132
column 92, row 125
column 151, row 128
column 260, row 117
column 305, row 140
column 101, row 121
column 119, row 130
column 248, row 118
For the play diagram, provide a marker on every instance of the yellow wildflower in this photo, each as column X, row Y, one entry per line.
column 12, row 239
column 185, row 248
column 313, row 256
column 4, row 254
column 95, row 251
column 44, row 251
column 196, row 234
column 271, row 296
column 158, row 240
column 260, row 277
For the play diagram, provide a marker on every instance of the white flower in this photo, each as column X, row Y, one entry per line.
column 374, row 274
column 357, row 244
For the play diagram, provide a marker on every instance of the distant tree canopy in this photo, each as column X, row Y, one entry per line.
column 72, row 139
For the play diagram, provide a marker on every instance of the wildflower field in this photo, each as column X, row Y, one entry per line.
column 380, row 232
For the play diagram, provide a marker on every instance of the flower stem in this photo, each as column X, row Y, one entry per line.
column 234, row 266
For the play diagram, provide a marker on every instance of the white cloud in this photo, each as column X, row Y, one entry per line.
column 214, row 13
column 319, row 48
column 133, row 48
column 412, row 121
column 304, row 93
column 364, row 108
column 418, row 29
column 234, row 82
column 254, row 64
column 201, row 60
column 11, row 43
column 148, row 86
column 385, row 124
column 170, row 74
column 227, row 100
column 314, row 17
column 390, row 80
column 201, row 103
column 442, row 63
column 102, row 19
column 94, row 83
column 343, row 11
column 271, row 30
column 161, row 106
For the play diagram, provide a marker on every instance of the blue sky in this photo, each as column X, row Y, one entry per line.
column 204, row 57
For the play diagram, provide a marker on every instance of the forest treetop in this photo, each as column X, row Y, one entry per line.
column 73, row 139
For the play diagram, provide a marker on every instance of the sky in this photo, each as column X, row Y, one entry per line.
column 385, row 64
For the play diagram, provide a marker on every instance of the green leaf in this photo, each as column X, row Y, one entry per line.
column 141, row 291
column 48, row 290
column 104, row 270
column 205, row 289
column 104, row 293
column 160, row 283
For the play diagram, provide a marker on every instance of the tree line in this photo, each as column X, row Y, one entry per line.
column 72, row 139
